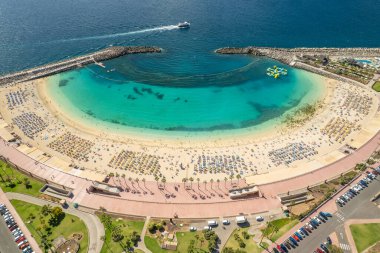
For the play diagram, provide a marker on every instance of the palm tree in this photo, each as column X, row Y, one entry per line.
column 137, row 181
column 46, row 210
column 238, row 177
column 205, row 182
column 218, row 181
column 130, row 180
column 225, row 181
column 198, row 179
column 163, row 180
column 211, row 181
column 191, row 182
column 231, row 177
column 143, row 180
column 156, row 179
column 184, row 181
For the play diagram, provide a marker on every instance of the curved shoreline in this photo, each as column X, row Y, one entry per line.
column 265, row 130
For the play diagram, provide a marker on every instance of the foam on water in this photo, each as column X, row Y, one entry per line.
column 115, row 35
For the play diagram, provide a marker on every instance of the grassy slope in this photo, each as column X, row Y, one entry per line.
column 365, row 235
column 17, row 178
column 69, row 225
column 284, row 225
column 183, row 238
column 127, row 228
column 251, row 246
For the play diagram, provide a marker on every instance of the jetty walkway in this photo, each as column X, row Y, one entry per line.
column 73, row 63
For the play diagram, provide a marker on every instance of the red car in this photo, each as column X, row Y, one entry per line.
column 296, row 238
column 280, row 249
column 24, row 245
column 22, row 238
column 320, row 251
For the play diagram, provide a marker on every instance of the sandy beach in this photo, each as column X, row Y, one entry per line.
column 92, row 150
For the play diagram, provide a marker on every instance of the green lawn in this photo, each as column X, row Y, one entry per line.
column 283, row 225
column 68, row 226
column 183, row 238
column 251, row 246
column 365, row 235
column 376, row 86
column 127, row 227
column 11, row 180
column 153, row 245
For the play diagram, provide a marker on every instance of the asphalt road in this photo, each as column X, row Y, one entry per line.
column 7, row 244
column 360, row 207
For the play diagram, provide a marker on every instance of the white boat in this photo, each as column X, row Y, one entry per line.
column 184, row 25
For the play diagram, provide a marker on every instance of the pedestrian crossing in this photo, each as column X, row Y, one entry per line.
column 340, row 216
column 344, row 246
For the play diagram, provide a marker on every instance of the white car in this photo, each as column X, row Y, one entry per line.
column 259, row 218
column 317, row 219
column 226, row 222
column 309, row 226
column 206, row 228
column 302, row 233
column 192, row 229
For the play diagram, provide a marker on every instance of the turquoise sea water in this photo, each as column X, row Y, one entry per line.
column 235, row 99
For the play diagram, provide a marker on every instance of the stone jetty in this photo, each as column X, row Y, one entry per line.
column 296, row 57
column 73, row 63
column 288, row 55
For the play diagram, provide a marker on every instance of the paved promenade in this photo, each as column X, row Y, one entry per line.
column 168, row 208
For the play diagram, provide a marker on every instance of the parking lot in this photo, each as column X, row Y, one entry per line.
column 6, row 241
column 359, row 206
column 224, row 231
column 14, row 232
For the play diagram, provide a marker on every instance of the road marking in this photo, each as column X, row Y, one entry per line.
column 344, row 246
column 340, row 216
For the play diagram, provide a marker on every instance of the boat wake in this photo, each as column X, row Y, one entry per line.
column 147, row 30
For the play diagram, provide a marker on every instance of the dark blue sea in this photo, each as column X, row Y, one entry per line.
column 34, row 32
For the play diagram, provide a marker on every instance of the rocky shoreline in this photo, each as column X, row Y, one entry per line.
column 73, row 63
column 293, row 56
column 288, row 55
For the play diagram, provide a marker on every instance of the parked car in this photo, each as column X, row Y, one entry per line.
column 259, row 218
column 193, row 229
column 359, row 187
column 317, row 220
column 338, row 202
column 275, row 250
column 292, row 244
column 329, row 240
column 298, row 235
column 320, row 251
column 321, row 218
column 280, row 249
column 301, row 233
column 304, row 231
column 295, row 238
column 327, row 214
column 294, row 241
column 283, row 248
column 307, row 228
column 324, row 247
column 226, row 222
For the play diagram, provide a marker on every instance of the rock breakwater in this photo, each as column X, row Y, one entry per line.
column 73, row 63
column 288, row 55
